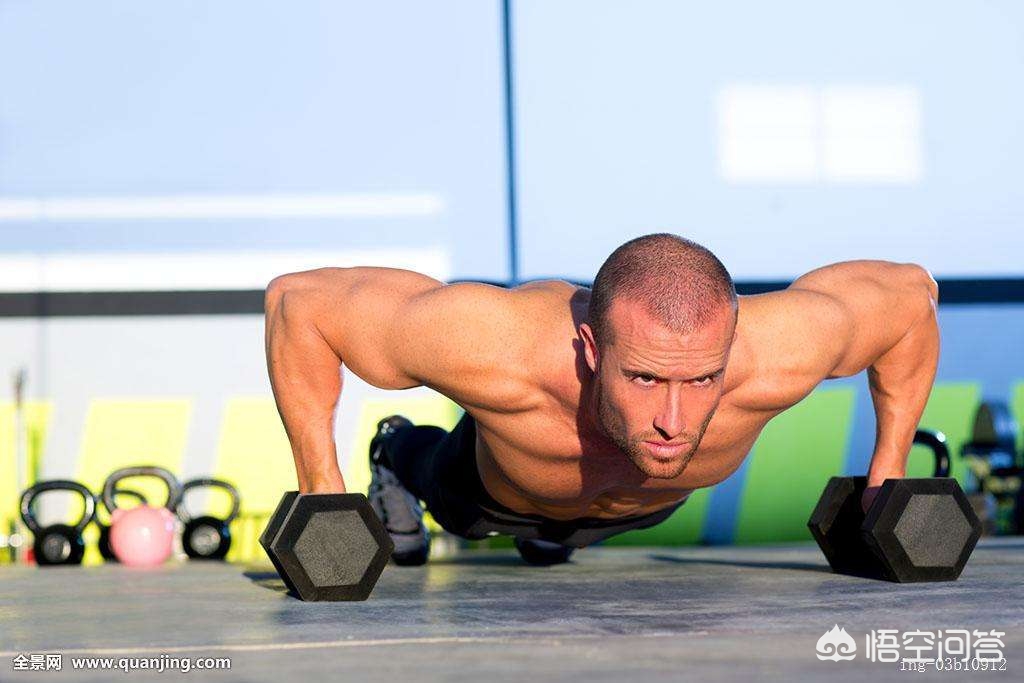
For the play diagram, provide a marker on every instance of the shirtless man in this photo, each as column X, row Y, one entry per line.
column 589, row 412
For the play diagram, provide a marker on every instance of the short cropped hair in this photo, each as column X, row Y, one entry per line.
column 678, row 282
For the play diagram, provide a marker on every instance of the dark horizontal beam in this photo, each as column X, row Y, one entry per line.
column 951, row 291
column 990, row 291
column 225, row 302
column 77, row 304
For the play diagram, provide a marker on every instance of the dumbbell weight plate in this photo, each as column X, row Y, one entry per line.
column 835, row 525
column 274, row 524
column 922, row 529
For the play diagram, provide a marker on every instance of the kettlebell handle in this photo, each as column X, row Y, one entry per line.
column 131, row 493
column 936, row 441
column 204, row 482
column 110, row 491
column 32, row 492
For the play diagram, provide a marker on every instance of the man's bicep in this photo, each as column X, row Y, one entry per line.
column 466, row 341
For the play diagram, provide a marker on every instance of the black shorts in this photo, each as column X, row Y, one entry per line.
column 439, row 467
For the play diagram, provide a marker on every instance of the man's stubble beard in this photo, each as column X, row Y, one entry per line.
column 614, row 429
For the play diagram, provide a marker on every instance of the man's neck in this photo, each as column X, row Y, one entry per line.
column 589, row 418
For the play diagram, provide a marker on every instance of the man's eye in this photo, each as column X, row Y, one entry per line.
column 644, row 379
column 704, row 381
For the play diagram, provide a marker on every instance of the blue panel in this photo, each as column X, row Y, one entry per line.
column 619, row 123
column 126, row 99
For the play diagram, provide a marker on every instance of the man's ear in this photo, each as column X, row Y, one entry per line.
column 590, row 351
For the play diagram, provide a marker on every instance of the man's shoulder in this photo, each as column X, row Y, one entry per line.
column 550, row 340
column 490, row 348
column 550, row 291
column 785, row 347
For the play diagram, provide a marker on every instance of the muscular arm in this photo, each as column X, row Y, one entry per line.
column 883, row 316
column 395, row 329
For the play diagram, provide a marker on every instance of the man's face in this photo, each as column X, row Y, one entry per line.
column 656, row 390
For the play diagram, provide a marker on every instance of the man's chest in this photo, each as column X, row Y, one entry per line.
column 540, row 464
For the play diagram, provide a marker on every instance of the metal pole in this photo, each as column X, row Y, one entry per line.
column 17, row 536
column 510, row 144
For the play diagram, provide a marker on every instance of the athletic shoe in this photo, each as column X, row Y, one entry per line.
column 399, row 510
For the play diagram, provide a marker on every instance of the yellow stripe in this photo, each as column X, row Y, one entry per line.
column 123, row 432
column 255, row 456
column 36, row 418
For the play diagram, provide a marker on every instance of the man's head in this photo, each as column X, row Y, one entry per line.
column 660, row 325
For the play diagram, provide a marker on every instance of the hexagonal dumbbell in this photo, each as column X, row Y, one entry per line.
column 327, row 546
column 915, row 530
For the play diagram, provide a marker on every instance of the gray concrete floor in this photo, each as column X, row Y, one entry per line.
column 713, row 613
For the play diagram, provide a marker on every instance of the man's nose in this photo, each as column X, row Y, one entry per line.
column 670, row 420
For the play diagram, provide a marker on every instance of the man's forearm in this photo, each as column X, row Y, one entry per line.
column 305, row 375
column 900, row 382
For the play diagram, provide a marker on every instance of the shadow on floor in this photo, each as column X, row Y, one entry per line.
column 488, row 559
column 802, row 566
column 266, row 579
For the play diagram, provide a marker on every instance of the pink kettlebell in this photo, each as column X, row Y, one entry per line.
column 142, row 536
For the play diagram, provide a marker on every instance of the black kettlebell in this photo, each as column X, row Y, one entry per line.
column 57, row 543
column 936, row 441
column 104, row 543
column 206, row 537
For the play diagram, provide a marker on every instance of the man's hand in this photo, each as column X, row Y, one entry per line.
column 877, row 476
column 868, row 497
column 327, row 484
